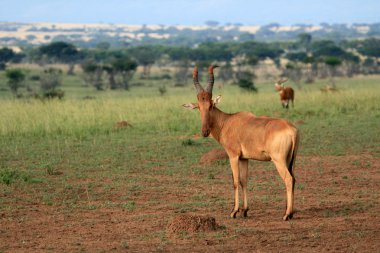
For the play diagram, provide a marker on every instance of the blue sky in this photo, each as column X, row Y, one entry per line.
column 170, row 12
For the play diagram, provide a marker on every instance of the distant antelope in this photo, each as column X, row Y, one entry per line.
column 328, row 89
column 245, row 136
column 286, row 93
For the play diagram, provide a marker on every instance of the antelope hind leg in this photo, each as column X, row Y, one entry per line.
column 235, row 175
column 289, row 184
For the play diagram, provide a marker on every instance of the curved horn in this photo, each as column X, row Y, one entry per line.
column 211, row 78
column 281, row 81
column 197, row 85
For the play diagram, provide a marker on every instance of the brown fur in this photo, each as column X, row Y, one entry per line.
column 286, row 95
column 122, row 124
column 245, row 136
column 328, row 89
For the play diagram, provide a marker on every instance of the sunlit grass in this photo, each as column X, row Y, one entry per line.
column 354, row 108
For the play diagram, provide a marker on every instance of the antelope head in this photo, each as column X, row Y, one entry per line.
column 280, row 84
column 205, row 102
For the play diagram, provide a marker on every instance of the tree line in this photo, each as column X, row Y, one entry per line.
column 103, row 67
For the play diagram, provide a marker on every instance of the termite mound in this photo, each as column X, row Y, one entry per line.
column 121, row 124
column 214, row 155
column 191, row 224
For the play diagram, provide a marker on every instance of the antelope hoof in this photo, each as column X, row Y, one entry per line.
column 233, row 213
column 245, row 212
column 287, row 217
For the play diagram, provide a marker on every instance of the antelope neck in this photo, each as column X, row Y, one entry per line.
column 218, row 119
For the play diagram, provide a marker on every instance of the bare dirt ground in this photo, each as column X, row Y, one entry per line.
column 337, row 210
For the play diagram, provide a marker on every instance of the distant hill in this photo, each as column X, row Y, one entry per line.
column 90, row 35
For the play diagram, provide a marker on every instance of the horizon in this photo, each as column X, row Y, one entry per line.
column 168, row 25
column 198, row 12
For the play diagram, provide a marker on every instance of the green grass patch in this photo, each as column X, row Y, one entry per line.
column 10, row 176
column 68, row 153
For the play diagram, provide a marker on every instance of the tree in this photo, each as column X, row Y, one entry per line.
column 120, row 71
column 181, row 74
column 332, row 62
column 370, row 47
column 211, row 52
column 6, row 55
column 226, row 72
column 103, row 45
column 125, row 68
column 311, row 69
column 93, row 74
column 259, row 49
column 351, row 64
column 246, row 37
column 304, row 41
column 145, row 56
column 298, row 62
column 330, row 55
column 370, row 66
column 61, row 52
column 111, row 76
column 16, row 78
column 3, row 66
column 178, row 53
column 50, row 80
column 297, row 56
column 162, row 90
column 245, row 81
column 326, row 48
column 294, row 72
column 181, row 55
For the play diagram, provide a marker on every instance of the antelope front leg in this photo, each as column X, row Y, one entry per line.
column 235, row 175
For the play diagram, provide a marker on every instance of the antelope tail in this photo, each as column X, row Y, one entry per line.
column 295, row 143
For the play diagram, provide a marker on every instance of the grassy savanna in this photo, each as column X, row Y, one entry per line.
column 83, row 185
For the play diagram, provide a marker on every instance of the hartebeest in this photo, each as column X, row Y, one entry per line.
column 245, row 136
column 286, row 93
column 328, row 89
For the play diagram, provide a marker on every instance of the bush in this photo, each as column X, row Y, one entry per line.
column 34, row 78
column 189, row 142
column 9, row 176
column 162, row 90
column 333, row 61
column 166, row 76
column 50, row 80
column 3, row 66
column 244, row 80
column 93, row 74
column 54, row 94
column 247, row 85
column 16, row 79
column 161, row 77
column 179, row 84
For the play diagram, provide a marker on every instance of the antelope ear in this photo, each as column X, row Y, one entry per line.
column 191, row 106
column 217, row 99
